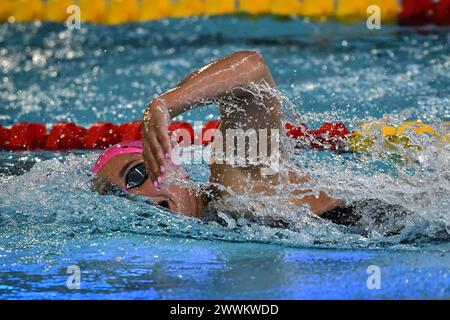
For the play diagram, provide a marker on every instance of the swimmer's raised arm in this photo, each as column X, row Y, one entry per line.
column 224, row 79
column 216, row 80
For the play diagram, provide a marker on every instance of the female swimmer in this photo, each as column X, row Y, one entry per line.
column 242, row 85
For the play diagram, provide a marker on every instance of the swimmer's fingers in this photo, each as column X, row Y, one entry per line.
column 156, row 138
column 164, row 140
column 149, row 161
column 158, row 153
column 161, row 128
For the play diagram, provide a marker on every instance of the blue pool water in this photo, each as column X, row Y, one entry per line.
column 50, row 219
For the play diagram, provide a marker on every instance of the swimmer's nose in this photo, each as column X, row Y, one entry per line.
column 174, row 173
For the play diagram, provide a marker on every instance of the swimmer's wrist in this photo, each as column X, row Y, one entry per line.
column 164, row 105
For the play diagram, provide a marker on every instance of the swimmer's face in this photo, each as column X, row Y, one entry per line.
column 128, row 172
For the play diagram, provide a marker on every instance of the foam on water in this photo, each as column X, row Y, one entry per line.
column 57, row 194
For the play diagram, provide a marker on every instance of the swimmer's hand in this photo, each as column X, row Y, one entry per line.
column 155, row 137
column 221, row 79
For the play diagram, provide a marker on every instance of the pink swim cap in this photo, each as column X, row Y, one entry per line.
column 134, row 146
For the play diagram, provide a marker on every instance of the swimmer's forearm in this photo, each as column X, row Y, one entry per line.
column 216, row 80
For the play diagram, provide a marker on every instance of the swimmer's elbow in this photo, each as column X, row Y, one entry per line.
column 249, row 53
column 255, row 60
column 250, row 57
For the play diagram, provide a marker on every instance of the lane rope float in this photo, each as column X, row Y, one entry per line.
column 115, row 12
column 334, row 136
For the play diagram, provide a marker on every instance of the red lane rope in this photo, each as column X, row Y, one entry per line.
column 421, row 12
column 101, row 135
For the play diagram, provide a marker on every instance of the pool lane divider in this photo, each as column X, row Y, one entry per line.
column 115, row 12
column 70, row 136
column 425, row 12
column 334, row 136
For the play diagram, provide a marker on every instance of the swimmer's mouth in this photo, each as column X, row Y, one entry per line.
column 166, row 203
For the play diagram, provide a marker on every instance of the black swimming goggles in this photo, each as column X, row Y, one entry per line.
column 136, row 176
